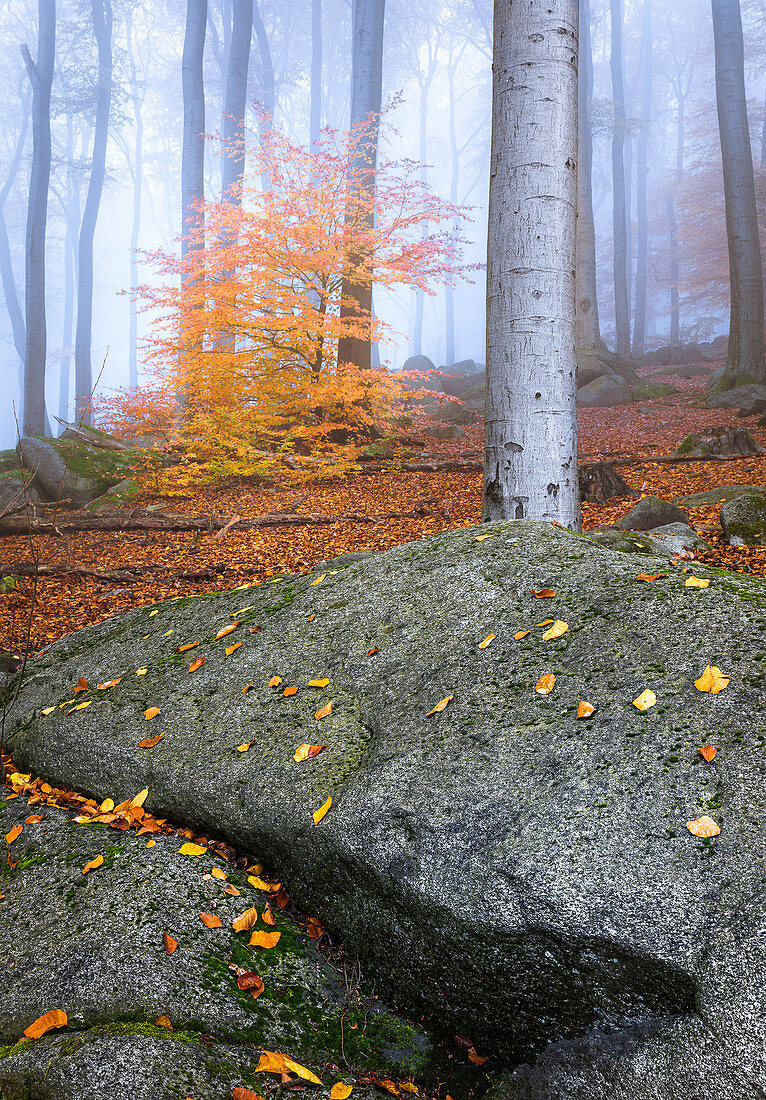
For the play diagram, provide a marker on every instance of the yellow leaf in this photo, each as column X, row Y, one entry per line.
column 184, row 648
column 440, row 706
column 558, row 628
column 712, row 680
column 318, row 683
column 153, row 613
column 232, row 648
column 481, row 538
column 324, row 711
column 168, row 633
column 244, row 746
column 245, row 921
column 306, row 752
column 266, row 887
column 585, row 710
column 81, row 706
column 190, row 849
column 545, row 684
column 645, row 700
column 696, row 582
column 163, row 1021
column 487, row 640
column 55, row 1018
column 140, row 798
column 407, row 1086
column 321, row 577
column 150, row 843
column 15, row 832
column 273, row 1062
column 218, row 873
column 340, row 1091
column 141, row 671
column 703, row 826
column 48, row 710
column 267, row 940
column 152, row 712
column 520, row 634
column 275, row 681
column 92, row 864
column 545, row 622
column 106, row 806
column 227, row 630
column 319, row 814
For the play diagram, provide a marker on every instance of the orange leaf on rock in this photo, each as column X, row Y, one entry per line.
column 324, row 711
column 545, row 684
column 92, row 864
column 247, row 688
column 55, row 1018
column 314, row 929
column 210, row 920
column 476, row 1058
column 272, row 1061
column 385, row 1083
column 225, row 630
column 218, row 873
column 198, row 662
column 109, row 684
column 163, row 1021
column 543, row 593
column 490, row 638
column 440, row 706
column 651, row 576
column 251, row 983
column 82, row 685
column 232, row 891
column 584, row 710
column 190, row 849
column 244, row 746
column 306, row 752
column 152, row 712
column 275, row 681
column 34, row 819
column 261, row 884
column 268, row 916
column 188, row 646
column 232, row 648
column 704, row 827
column 707, row 751
column 241, row 1093
column 169, row 942
column 15, row 832
column 340, row 1091
column 267, row 940
column 290, row 691
column 245, row 921
column 520, row 634
column 151, row 741
column 319, row 814
column 712, row 680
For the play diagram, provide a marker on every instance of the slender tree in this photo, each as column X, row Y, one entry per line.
column 101, row 14
column 41, row 78
column 588, row 332
column 268, row 87
column 425, row 76
column 193, row 152
column 619, row 210
column 315, row 121
column 530, row 463
column 642, row 169
column 233, row 168
column 745, row 357
column 136, row 167
column 366, row 99
column 7, row 275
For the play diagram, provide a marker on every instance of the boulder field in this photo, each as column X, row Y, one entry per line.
column 509, row 871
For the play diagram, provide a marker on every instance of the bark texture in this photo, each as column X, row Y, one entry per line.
column 642, row 169
column 233, row 167
column 315, row 121
column 619, row 209
column 530, row 461
column 193, row 153
column 588, row 333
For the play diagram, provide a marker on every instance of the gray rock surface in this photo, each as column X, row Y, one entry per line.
column 679, row 538
column 525, row 876
column 445, row 431
column 605, row 391
column 744, row 520
column 121, row 493
column 418, row 362
column 719, row 495
column 748, row 400
column 16, row 491
column 651, row 512
column 92, row 945
column 71, row 470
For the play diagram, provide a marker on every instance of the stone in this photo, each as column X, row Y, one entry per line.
column 679, row 538
column 747, row 400
column 92, row 945
column 693, row 370
column 66, row 469
column 651, row 512
column 719, row 495
column 122, row 493
column 419, row 363
column 445, row 431
column 744, row 520
column 456, row 385
column 524, row 877
column 718, row 440
column 605, row 391
column 592, row 363
column 716, row 377
column 16, row 492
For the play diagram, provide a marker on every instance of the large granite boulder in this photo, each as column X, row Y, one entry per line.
column 71, row 470
column 651, row 512
column 17, row 491
column 91, row 944
column 604, row 391
column 743, row 519
column 747, row 400
column 524, row 877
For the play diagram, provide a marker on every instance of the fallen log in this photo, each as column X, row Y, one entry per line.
column 107, row 576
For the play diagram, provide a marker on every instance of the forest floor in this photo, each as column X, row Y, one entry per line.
column 445, row 498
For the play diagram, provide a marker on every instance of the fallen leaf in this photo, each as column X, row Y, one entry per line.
column 47, row 710
column 55, row 1018
column 267, row 916
column 696, row 582
column 34, row 819
column 314, row 929
column 169, row 942
column 275, row 681
column 481, row 538
column 290, row 691
column 184, row 648
column 226, row 630
column 273, row 1062
column 320, row 578
column 218, row 873
column 151, row 742
column 319, row 814
column 707, row 751
column 156, row 611
column 265, row 887
column 93, row 864
column 163, row 1021
column 545, row 622
column 318, row 683
column 15, row 832
column 241, row 1093
column 476, row 1058
column 440, row 705
column 247, row 688
column 584, row 710
column 232, row 891
column 408, row 1086
column 259, row 938
column 645, row 700
column 106, row 806
column 109, row 684
column 251, row 983
column 150, row 843
column 255, row 629
column 340, row 1091
column 703, row 826
column 543, row 593
column 141, row 671
column 81, row 706
column 210, row 920
column 244, row 746
column 384, row 1083
column 324, row 711
column 152, row 712
column 305, row 752
column 487, row 640
column 651, row 576
column 168, row 633
column 545, row 684
column 245, row 921
column 373, row 651
column 82, row 685
column 558, row 628
column 520, row 634
column 232, row 648
column 712, row 680
column 190, row 849
column 140, row 798
column 198, row 662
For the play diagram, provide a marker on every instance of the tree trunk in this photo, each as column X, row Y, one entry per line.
column 35, row 352
column 137, row 92
column 366, row 97
column 72, row 216
column 315, row 121
column 449, row 291
column 675, row 306
column 619, row 211
column 588, row 334
column 101, row 12
column 233, row 168
column 424, row 79
column 7, row 275
column 530, row 455
column 193, row 152
column 269, row 102
column 745, row 358
column 642, row 168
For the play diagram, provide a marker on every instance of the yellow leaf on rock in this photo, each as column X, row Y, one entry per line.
column 707, row 752
column 273, row 1062
column 154, row 612
column 481, row 538
column 218, row 873
column 92, row 864
column 268, row 916
column 81, row 706
column 585, row 710
column 545, row 622
column 712, row 680
column 150, row 843
column 106, row 806
column 227, row 629
column 263, row 939
column 47, row 710
column 545, row 684
column 232, row 648
column 696, row 582
column 704, row 827
column 319, row 814
column 15, row 832
column 152, row 712
column 184, row 648
column 190, row 849
column 324, row 711
column 168, row 633
column 558, row 628
column 244, row 746
column 266, row 887
column 140, row 798
column 340, row 1091
column 440, row 705
column 645, row 700
column 320, row 578
column 245, row 921
column 141, row 671
column 306, row 752
column 55, row 1018
column 318, row 683
column 520, row 634
column 490, row 638
column 407, row 1086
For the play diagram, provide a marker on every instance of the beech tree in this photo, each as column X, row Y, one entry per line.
column 530, row 455
column 619, row 207
column 588, row 333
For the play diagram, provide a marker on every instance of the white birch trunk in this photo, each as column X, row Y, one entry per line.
column 530, row 461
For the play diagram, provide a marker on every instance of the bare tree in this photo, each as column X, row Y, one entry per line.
column 268, row 88
column 315, row 123
column 588, row 331
column 619, row 210
column 642, row 170
column 233, row 168
column 745, row 357
column 530, row 463
column 40, row 77
column 193, row 154
column 10, row 290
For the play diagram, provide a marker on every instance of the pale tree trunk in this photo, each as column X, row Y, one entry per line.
column 642, row 168
column 449, row 292
column 137, row 93
column 193, row 152
column 315, row 121
column 7, row 275
column 366, row 98
column 619, row 210
column 72, row 219
column 588, row 334
column 675, row 266
column 41, row 77
column 233, row 168
column 424, row 80
column 530, row 458
column 745, row 357
column 101, row 11
column 269, row 99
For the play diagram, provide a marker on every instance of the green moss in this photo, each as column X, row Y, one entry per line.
column 70, row 1045
column 688, row 444
column 151, row 1031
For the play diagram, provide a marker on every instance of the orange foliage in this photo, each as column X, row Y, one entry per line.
column 246, row 327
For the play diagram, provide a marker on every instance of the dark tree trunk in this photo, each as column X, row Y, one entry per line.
column 745, row 358
column 101, row 12
column 675, row 306
column 41, row 78
column 315, row 121
column 366, row 97
column 72, row 216
column 642, row 168
column 619, row 211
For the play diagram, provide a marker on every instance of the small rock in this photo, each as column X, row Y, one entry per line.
column 605, row 391
column 744, row 520
column 651, row 512
column 445, row 431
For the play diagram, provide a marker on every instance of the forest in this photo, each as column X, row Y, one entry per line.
column 382, row 535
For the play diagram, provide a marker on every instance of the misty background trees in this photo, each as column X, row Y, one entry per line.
column 132, row 82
